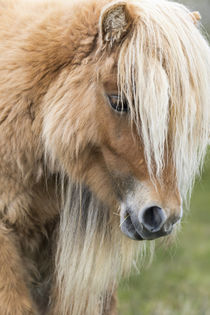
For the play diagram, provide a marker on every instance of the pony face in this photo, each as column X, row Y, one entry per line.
column 145, row 121
column 134, row 113
column 149, row 207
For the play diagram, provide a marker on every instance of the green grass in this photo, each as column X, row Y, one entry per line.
column 178, row 280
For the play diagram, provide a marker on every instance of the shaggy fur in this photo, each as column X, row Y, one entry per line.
column 67, row 160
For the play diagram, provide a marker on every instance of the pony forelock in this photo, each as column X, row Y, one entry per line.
column 164, row 72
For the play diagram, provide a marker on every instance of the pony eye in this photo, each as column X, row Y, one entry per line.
column 118, row 104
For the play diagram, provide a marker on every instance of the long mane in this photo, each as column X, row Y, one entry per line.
column 163, row 70
column 92, row 254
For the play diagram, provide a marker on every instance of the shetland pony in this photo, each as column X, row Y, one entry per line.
column 104, row 123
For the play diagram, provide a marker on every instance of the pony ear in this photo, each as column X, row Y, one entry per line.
column 195, row 16
column 114, row 22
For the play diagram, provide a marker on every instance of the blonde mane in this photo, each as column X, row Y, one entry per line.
column 85, row 260
column 163, row 70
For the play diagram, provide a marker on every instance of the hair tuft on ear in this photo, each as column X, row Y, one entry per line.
column 196, row 17
column 114, row 23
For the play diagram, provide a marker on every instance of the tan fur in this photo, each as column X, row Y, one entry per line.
column 65, row 155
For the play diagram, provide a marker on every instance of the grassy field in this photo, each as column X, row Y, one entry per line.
column 178, row 280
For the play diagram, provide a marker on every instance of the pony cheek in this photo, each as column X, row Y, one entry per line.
column 115, row 163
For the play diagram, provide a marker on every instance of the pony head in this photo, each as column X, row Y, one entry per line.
column 129, row 116
column 127, row 123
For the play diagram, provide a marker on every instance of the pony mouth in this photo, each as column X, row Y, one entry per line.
column 135, row 230
column 128, row 228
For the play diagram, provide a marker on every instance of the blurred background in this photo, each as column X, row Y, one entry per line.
column 178, row 280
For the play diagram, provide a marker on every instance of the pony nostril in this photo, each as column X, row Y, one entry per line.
column 167, row 228
column 153, row 218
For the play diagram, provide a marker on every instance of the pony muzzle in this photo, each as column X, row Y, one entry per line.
column 149, row 223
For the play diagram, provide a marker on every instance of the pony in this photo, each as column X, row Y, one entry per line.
column 104, row 125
